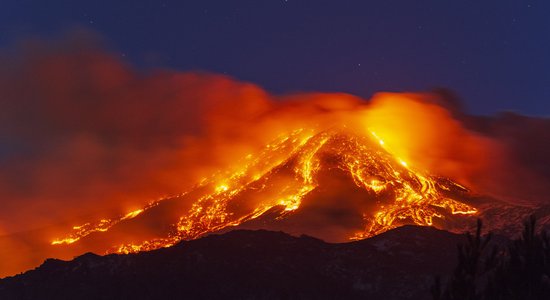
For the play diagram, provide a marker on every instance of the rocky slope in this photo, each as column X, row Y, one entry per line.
column 399, row 264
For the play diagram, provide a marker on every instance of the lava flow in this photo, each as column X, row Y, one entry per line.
column 286, row 173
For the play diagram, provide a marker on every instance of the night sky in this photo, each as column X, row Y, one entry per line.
column 493, row 54
column 110, row 107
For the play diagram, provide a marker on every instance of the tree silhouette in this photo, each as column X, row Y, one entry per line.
column 524, row 272
column 463, row 282
column 520, row 270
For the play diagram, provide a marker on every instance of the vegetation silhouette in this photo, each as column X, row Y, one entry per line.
column 518, row 270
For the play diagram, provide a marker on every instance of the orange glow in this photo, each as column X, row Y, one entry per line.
column 418, row 197
column 425, row 136
column 103, row 225
column 217, row 153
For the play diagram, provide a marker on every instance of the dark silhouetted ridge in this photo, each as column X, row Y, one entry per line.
column 243, row 264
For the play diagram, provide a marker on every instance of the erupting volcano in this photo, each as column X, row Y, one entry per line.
column 198, row 154
column 232, row 150
column 288, row 175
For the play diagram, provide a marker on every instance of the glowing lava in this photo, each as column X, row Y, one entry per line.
column 102, row 225
column 285, row 172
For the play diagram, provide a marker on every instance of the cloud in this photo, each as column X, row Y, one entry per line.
column 82, row 132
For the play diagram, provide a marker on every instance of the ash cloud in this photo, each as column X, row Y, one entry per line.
column 82, row 132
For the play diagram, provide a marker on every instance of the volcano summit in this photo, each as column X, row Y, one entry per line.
column 333, row 184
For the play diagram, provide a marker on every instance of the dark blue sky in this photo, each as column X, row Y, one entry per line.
column 494, row 54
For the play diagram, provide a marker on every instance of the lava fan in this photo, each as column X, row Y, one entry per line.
column 334, row 183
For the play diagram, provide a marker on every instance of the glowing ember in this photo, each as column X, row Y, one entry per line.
column 103, row 225
column 400, row 193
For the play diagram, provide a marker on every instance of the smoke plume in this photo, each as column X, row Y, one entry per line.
column 83, row 133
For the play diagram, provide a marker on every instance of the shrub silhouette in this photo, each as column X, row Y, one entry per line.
column 521, row 270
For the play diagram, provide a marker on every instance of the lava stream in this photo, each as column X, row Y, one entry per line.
column 285, row 172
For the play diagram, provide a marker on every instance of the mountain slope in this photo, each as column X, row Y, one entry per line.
column 398, row 264
column 334, row 184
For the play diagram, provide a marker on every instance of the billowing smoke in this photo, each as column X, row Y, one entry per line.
column 82, row 133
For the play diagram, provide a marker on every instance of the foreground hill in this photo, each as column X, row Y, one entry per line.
column 398, row 264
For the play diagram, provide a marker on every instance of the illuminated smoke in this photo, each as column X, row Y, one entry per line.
column 88, row 142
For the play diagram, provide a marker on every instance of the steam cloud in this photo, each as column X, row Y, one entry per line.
column 82, row 132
